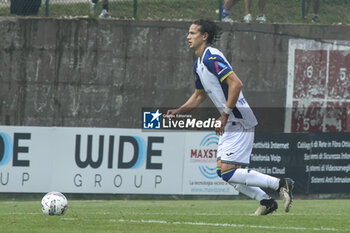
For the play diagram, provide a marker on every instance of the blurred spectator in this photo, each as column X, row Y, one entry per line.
column 25, row 7
column 228, row 4
column 105, row 10
column 316, row 6
column 248, row 17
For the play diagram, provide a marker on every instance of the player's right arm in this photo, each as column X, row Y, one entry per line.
column 193, row 102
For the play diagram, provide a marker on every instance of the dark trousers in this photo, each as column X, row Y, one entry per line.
column 25, row 7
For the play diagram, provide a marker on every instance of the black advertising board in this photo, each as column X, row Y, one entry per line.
column 318, row 162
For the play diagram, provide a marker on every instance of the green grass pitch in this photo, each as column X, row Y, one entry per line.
column 188, row 216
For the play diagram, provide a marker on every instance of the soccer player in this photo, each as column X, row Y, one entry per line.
column 215, row 78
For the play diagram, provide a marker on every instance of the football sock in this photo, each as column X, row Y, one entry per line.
column 218, row 171
column 225, row 12
column 250, row 178
column 252, row 192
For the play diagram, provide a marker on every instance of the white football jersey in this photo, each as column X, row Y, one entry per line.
column 211, row 70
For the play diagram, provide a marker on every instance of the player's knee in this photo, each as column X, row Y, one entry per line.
column 226, row 175
column 218, row 171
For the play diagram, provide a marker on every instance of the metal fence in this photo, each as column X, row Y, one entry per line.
column 118, row 8
column 57, row 8
column 281, row 11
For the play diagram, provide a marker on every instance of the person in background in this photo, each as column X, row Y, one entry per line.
column 105, row 10
column 228, row 4
column 25, row 7
column 316, row 6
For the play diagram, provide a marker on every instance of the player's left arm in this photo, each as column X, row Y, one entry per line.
column 235, row 86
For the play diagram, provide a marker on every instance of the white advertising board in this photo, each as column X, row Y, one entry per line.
column 104, row 160
column 200, row 175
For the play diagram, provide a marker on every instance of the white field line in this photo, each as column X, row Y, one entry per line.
column 178, row 214
column 231, row 214
column 69, row 219
column 21, row 213
column 307, row 229
column 193, row 214
column 234, row 225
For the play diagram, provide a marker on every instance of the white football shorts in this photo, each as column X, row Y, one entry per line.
column 236, row 144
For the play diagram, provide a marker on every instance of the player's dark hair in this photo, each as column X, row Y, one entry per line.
column 208, row 26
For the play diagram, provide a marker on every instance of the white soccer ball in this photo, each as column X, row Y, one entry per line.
column 54, row 203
